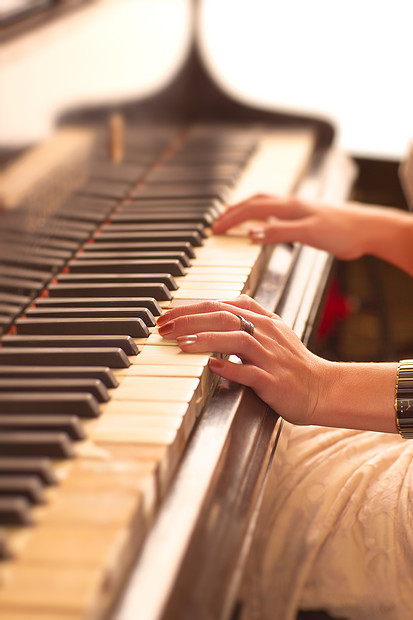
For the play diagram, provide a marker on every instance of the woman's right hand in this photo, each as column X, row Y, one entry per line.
column 298, row 385
column 344, row 231
column 276, row 364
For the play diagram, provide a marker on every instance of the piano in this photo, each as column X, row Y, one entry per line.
column 130, row 478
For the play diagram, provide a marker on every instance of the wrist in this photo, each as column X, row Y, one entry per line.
column 357, row 395
column 390, row 237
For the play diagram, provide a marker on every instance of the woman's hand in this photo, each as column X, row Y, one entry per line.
column 275, row 363
column 298, row 385
column 347, row 231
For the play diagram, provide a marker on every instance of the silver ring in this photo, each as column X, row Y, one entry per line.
column 246, row 326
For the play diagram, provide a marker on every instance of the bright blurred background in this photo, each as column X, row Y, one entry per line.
column 349, row 61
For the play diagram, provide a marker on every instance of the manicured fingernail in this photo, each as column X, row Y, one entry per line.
column 187, row 340
column 166, row 329
column 216, row 363
column 257, row 234
column 164, row 318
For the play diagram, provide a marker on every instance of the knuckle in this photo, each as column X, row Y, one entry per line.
column 258, row 378
column 183, row 324
column 224, row 317
column 245, row 301
column 214, row 306
column 245, row 339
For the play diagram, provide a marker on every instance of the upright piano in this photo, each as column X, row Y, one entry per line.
column 130, row 478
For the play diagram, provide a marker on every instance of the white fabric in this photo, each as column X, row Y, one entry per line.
column 337, row 527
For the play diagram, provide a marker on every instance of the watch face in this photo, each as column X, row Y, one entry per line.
column 405, row 407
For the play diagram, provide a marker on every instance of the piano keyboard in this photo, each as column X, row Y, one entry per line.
column 95, row 408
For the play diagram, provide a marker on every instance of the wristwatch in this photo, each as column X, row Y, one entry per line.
column 403, row 403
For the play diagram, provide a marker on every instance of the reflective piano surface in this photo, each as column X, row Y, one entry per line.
column 182, row 551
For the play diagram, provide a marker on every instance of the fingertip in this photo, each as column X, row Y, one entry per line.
column 218, row 229
column 163, row 318
column 185, row 341
column 166, row 329
column 216, row 363
column 258, row 235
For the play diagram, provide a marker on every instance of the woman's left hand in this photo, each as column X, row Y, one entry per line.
column 275, row 363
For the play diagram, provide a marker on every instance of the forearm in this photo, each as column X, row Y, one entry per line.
column 391, row 237
column 358, row 395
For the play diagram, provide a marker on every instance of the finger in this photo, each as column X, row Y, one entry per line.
column 261, row 207
column 216, row 316
column 237, row 343
column 257, row 208
column 247, row 303
column 220, row 321
column 241, row 302
column 188, row 309
column 244, row 374
column 284, row 232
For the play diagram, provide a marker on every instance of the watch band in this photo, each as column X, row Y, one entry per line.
column 403, row 402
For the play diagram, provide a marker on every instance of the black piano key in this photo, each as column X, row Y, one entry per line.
column 25, row 486
column 76, row 204
column 55, row 403
column 150, row 289
column 142, row 313
column 103, row 374
column 174, row 204
column 194, row 238
column 79, row 214
column 11, row 271
column 48, row 256
column 180, row 173
column 118, row 171
column 15, row 511
column 5, row 324
column 52, row 253
column 52, row 445
column 42, row 423
column 20, row 286
column 183, row 190
column 181, row 257
column 57, row 232
column 189, row 217
column 100, row 302
column 10, row 310
column 155, row 228
column 45, row 232
column 113, row 357
column 26, row 259
column 39, row 241
column 134, row 327
column 104, row 188
column 14, row 299
column 24, row 384
column 42, row 468
column 118, row 278
column 164, row 246
column 173, row 266
column 139, row 207
column 60, row 219
column 123, row 342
